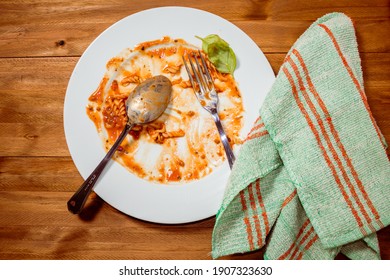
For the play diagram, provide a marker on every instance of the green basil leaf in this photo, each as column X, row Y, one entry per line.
column 206, row 41
column 219, row 53
column 222, row 57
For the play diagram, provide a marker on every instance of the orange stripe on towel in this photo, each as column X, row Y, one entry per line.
column 353, row 77
column 256, row 126
column 303, row 240
column 307, row 247
column 246, row 221
column 262, row 206
column 293, row 245
column 255, row 216
column 328, row 141
column 326, row 157
column 289, row 198
column 256, row 135
column 339, row 143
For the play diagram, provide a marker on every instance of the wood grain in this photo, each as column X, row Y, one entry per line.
column 101, row 232
column 40, row 44
column 72, row 38
column 66, row 28
column 15, row 11
column 32, row 101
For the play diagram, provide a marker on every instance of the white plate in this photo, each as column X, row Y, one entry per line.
column 126, row 192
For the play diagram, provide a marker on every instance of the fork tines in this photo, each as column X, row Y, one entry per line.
column 200, row 71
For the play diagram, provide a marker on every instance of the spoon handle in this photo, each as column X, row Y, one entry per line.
column 77, row 201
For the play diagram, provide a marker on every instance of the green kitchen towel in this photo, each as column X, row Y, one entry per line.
column 312, row 178
column 262, row 198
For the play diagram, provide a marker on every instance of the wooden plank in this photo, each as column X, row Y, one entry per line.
column 31, row 107
column 36, row 225
column 33, row 139
column 89, row 242
column 279, row 36
column 39, row 131
column 23, row 11
column 50, row 174
column 311, row 10
column 32, row 75
column 33, row 91
column 70, row 38
column 49, row 207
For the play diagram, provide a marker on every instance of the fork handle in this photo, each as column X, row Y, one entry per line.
column 228, row 150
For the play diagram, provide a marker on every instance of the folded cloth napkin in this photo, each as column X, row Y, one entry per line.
column 312, row 178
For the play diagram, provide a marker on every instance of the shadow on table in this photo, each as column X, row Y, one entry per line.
column 91, row 208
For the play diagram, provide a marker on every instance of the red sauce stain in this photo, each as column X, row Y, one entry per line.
column 195, row 164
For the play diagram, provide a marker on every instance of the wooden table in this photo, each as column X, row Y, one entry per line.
column 40, row 44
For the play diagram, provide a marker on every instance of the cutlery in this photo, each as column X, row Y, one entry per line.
column 145, row 104
column 204, row 90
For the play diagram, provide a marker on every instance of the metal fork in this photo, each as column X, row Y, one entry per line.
column 204, row 90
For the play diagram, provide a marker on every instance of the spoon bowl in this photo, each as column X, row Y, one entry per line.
column 149, row 100
column 145, row 104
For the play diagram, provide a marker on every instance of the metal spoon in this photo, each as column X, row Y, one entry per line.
column 145, row 104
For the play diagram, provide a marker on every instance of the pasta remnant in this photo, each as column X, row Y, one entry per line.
column 158, row 133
